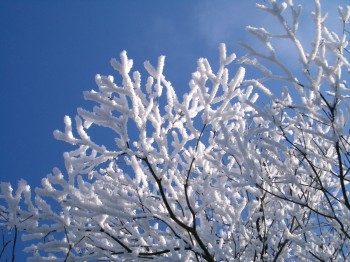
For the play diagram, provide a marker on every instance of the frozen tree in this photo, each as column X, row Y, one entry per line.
column 239, row 168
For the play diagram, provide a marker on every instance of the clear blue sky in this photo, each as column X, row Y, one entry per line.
column 50, row 51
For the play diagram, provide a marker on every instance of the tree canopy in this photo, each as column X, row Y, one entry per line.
column 252, row 163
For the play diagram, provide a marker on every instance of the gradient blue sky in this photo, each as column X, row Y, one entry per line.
column 51, row 50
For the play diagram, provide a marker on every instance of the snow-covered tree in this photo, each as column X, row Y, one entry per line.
column 249, row 165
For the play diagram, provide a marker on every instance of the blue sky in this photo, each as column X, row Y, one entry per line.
column 51, row 50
